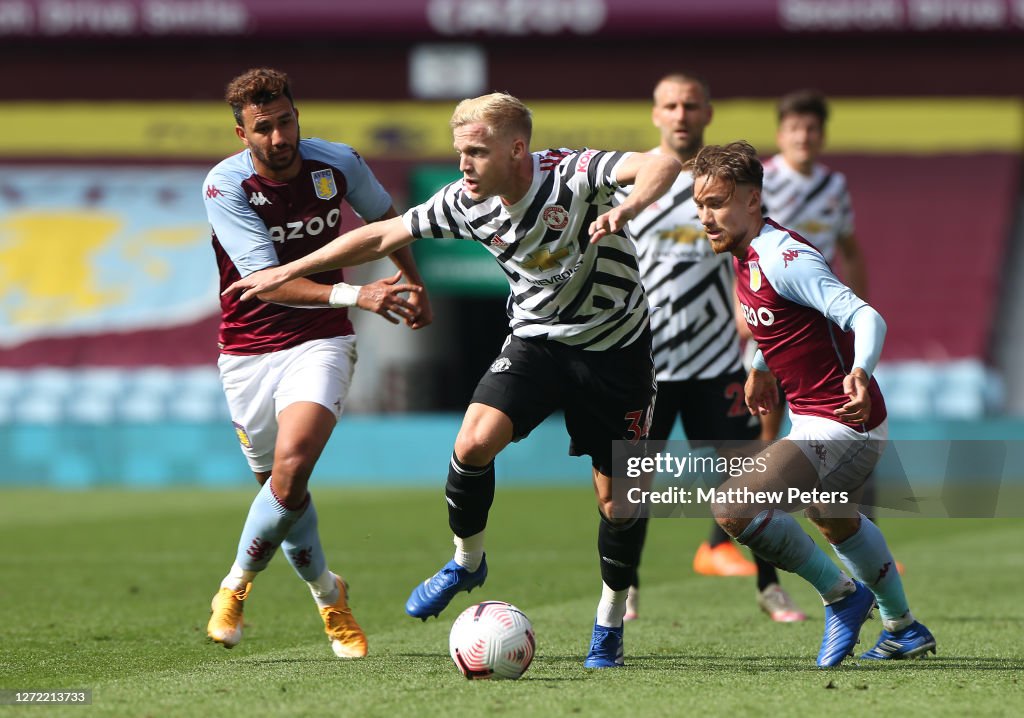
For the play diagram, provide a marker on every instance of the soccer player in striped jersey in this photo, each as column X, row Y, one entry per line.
column 693, row 324
column 810, row 198
column 822, row 342
column 287, row 364
column 805, row 195
column 580, row 338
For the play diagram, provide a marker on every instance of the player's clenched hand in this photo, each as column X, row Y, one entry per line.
column 611, row 222
column 424, row 312
column 384, row 297
column 858, row 409
column 263, row 280
column 761, row 392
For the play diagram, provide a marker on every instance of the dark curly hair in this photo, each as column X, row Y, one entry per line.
column 256, row 87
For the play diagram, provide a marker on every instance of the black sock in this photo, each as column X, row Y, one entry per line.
column 640, row 549
column 619, row 549
column 718, row 536
column 469, row 492
column 766, row 573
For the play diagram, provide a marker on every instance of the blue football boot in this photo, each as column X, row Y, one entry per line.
column 913, row 641
column 433, row 595
column 843, row 620
column 605, row 648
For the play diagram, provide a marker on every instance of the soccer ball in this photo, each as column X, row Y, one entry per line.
column 492, row 639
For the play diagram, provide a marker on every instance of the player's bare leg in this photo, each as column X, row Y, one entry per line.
column 469, row 492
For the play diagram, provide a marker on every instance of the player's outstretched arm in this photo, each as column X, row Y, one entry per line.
column 361, row 245
column 651, row 177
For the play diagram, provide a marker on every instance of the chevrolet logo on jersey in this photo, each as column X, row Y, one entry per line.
column 324, row 185
column 544, row 260
column 682, row 235
column 813, row 227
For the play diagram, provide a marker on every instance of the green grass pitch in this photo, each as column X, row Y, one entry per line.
column 109, row 590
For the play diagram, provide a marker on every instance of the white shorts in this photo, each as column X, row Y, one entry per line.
column 842, row 456
column 259, row 386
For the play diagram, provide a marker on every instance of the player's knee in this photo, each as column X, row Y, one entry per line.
column 834, row 529
column 292, row 470
column 732, row 525
column 725, row 515
column 608, row 511
column 475, row 446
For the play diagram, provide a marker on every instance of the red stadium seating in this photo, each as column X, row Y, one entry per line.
column 934, row 231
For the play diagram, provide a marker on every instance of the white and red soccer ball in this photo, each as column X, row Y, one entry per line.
column 492, row 639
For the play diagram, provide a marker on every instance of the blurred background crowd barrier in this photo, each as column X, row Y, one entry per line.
column 113, row 114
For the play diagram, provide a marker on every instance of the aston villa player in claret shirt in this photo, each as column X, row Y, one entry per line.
column 286, row 363
column 801, row 317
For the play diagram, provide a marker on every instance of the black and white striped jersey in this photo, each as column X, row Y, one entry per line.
column 689, row 287
column 562, row 287
column 817, row 207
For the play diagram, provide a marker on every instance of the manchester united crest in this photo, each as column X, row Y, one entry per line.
column 324, row 184
column 555, row 217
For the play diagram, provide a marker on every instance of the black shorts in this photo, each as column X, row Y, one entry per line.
column 606, row 395
column 711, row 409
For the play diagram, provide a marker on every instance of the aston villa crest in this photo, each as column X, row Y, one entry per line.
column 755, row 276
column 324, row 184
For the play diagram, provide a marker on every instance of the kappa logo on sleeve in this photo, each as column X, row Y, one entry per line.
column 212, row 192
column 790, row 255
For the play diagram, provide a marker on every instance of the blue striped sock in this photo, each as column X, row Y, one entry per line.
column 302, row 545
column 776, row 537
column 265, row 527
column 867, row 556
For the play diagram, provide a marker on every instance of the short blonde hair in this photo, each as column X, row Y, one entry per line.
column 500, row 112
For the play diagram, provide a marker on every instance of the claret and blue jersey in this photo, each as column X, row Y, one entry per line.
column 258, row 223
column 800, row 315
